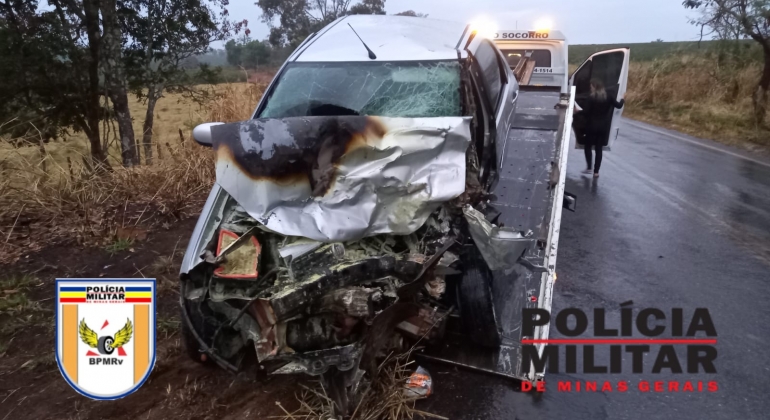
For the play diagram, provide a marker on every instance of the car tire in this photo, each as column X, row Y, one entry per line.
column 474, row 296
column 104, row 345
column 191, row 345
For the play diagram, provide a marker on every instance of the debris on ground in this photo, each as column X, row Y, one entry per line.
column 385, row 398
column 419, row 384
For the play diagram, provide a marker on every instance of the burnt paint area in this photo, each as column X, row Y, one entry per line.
column 295, row 149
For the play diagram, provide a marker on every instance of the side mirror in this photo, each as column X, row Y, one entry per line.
column 570, row 201
column 202, row 133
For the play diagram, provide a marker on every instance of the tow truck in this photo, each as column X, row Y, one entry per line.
column 539, row 59
column 539, row 134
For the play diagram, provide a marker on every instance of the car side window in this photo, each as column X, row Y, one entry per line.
column 488, row 60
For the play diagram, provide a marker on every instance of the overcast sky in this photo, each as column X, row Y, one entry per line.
column 582, row 21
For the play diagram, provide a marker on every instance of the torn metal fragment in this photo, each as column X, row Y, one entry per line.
column 354, row 301
column 344, row 358
column 298, row 248
column 428, row 324
column 500, row 247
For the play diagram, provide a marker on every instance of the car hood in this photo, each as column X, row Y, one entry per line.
column 342, row 178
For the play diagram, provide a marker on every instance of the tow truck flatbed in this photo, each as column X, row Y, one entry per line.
column 529, row 197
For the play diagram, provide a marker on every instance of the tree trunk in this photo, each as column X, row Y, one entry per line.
column 760, row 96
column 115, row 76
column 98, row 156
column 149, row 119
column 93, row 109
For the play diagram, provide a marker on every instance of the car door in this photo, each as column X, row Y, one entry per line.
column 611, row 68
column 499, row 90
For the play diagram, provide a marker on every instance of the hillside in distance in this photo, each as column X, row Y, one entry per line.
column 649, row 51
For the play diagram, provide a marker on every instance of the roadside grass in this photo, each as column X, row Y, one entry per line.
column 13, row 294
column 48, row 193
column 165, row 270
column 119, row 245
column 168, row 326
column 18, row 310
column 697, row 95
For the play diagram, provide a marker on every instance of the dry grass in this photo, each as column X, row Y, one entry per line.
column 49, row 194
column 698, row 95
column 236, row 102
column 384, row 399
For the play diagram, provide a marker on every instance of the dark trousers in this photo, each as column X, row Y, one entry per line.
column 598, row 163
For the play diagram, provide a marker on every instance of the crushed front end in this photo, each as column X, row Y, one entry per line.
column 331, row 241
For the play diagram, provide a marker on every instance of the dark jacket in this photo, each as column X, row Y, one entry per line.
column 592, row 124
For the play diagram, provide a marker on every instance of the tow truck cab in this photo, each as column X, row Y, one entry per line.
column 539, row 60
column 548, row 50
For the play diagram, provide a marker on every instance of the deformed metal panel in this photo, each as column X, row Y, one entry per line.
column 334, row 179
column 524, row 198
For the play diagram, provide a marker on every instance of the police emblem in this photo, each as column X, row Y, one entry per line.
column 105, row 334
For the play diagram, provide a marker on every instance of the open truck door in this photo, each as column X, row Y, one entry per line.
column 611, row 68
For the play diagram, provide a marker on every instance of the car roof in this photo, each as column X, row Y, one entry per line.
column 391, row 38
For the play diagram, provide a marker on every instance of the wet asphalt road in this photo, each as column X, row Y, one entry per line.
column 673, row 221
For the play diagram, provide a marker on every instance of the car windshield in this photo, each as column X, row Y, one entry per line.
column 390, row 89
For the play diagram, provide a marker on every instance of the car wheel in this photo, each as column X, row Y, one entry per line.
column 191, row 344
column 474, row 298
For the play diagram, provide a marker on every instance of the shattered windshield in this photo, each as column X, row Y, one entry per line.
column 395, row 89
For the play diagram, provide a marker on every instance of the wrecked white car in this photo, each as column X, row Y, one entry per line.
column 394, row 186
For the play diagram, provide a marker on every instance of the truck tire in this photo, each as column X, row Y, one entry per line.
column 474, row 297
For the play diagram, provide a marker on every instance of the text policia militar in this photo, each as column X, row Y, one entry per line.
column 695, row 335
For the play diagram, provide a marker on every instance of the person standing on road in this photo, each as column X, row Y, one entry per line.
column 597, row 114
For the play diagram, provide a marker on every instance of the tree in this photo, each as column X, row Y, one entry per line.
column 190, row 63
column 247, row 53
column 412, row 13
column 115, row 78
column 163, row 35
column 234, row 51
column 735, row 19
column 368, row 7
column 52, row 57
column 255, row 53
column 291, row 21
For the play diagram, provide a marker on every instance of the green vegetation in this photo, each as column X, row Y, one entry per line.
column 120, row 244
column 13, row 294
column 18, row 310
column 168, row 326
column 650, row 51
